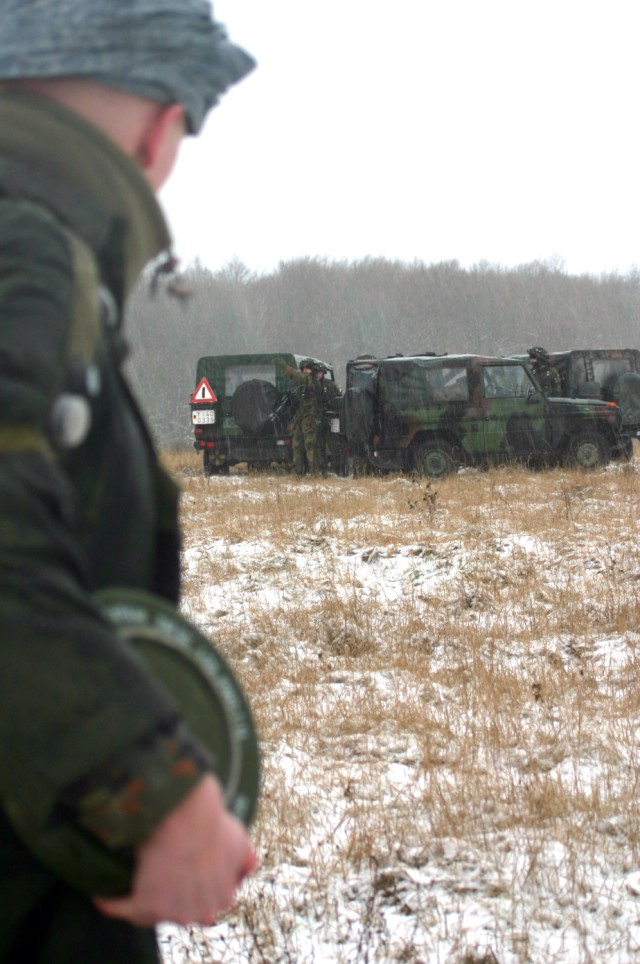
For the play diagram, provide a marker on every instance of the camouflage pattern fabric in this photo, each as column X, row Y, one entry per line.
column 308, row 424
column 86, row 735
column 548, row 378
column 311, row 427
column 307, row 442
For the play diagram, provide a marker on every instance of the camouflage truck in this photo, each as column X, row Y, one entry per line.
column 611, row 374
column 432, row 414
column 242, row 409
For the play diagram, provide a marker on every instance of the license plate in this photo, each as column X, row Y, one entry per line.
column 203, row 418
column 335, row 424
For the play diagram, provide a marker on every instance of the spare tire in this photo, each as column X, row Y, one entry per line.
column 252, row 404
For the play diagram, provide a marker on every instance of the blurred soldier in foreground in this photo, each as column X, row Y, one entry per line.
column 95, row 98
column 547, row 376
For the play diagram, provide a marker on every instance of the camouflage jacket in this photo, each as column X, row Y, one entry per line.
column 309, row 394
column 84, row 730
column 330, row 394
column 548, row 379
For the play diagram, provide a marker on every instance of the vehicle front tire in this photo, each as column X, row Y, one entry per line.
column 434, row 459
column 588, row 450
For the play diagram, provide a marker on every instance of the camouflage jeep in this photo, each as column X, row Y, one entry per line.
column 433, row 414
column 612, row 374
column 242, row 408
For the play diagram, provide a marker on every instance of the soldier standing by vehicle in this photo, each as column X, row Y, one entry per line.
column 547, row 376
column 308, row 437
column 96, row 97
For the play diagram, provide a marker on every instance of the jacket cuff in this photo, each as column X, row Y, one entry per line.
column 123, row 801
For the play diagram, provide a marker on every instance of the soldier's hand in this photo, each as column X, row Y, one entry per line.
column 190, row 867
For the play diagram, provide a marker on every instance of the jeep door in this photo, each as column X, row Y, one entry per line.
column 515, row 419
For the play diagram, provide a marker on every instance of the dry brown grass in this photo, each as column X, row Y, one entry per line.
column 452, row 699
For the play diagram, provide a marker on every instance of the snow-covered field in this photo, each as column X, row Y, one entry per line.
column 445, row 678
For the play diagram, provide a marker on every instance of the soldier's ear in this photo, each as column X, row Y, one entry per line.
column 159, row 143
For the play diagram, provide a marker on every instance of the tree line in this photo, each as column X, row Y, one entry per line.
column 336, row 310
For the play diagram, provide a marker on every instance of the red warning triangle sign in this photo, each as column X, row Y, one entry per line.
column 204, row 392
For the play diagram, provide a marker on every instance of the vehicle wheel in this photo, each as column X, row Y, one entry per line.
column 252, row 404
column 434, row 459
column 589, row 450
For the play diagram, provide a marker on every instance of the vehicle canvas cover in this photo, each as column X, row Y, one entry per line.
column 455, row 394
column 610, row 374
column 408, row 412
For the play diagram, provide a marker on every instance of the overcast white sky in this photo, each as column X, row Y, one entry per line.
column 497, row 130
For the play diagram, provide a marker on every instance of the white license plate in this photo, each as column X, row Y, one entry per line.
column 335, row 424
column 203, row 418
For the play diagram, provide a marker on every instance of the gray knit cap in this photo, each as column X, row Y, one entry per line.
column 171, row 51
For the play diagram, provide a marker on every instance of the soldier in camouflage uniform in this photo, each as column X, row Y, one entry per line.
column 308, row 438
column 91, row 117
column 547, row 376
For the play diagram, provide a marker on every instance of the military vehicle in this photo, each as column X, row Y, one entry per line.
column 242, row 409
column 432, row 414
column 611, row 374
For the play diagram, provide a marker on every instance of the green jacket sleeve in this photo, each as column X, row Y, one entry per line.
column 85, row 733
